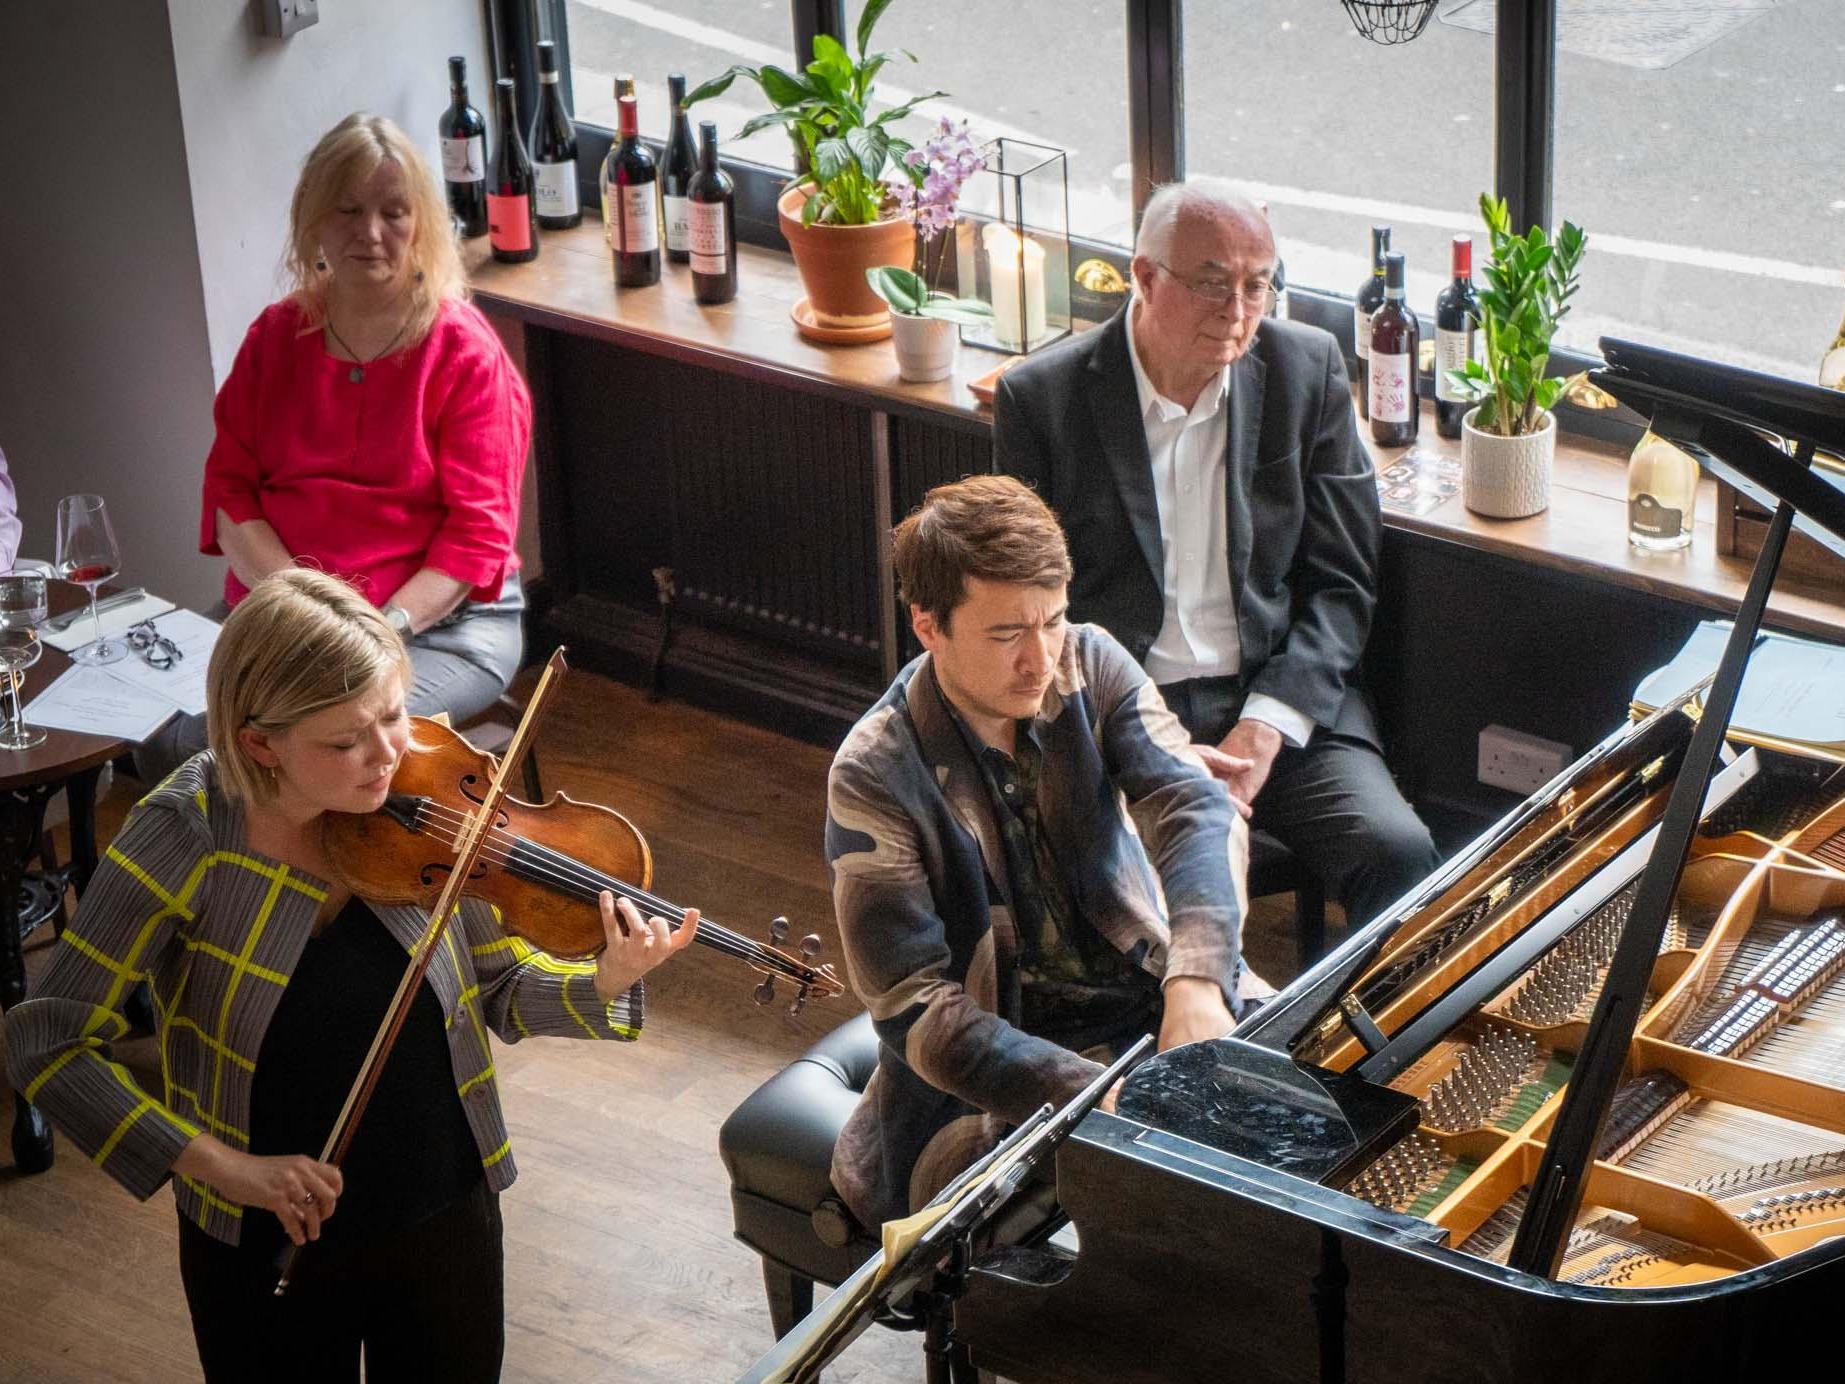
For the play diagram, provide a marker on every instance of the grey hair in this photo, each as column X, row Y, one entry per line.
column 1208, row 195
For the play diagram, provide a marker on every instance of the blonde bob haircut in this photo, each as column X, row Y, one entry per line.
column 300, row 642
column 346, row 156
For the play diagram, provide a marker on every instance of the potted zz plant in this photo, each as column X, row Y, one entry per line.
column 925, row 322
column 1509, row 440
column 839, row 215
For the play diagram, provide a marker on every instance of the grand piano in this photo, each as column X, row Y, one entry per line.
column 1573, row 1109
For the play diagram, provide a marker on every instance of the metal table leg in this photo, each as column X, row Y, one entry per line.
column 21, row 811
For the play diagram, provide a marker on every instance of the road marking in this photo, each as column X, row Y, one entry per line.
column 1600, row 242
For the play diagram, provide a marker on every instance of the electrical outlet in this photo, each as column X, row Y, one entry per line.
column 1522, row 763
column 284, row 17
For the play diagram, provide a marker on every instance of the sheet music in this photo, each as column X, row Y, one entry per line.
column 1790, row 691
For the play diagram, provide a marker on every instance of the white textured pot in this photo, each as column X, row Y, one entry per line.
column 925, row 347
column 1506, row 477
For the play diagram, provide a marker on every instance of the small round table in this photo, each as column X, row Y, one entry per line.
column 29, row 779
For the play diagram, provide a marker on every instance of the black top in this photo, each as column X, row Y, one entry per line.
column 414, row 1153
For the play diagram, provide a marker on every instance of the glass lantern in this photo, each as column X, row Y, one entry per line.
column 1012, row 246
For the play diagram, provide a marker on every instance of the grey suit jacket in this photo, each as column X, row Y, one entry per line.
column 1303, row 522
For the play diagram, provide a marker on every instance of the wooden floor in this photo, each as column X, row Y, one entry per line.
column 620, row 1264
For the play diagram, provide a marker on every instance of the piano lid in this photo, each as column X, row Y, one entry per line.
column 1717, row 413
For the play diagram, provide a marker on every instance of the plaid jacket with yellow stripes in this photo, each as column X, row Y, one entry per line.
column 216, row 929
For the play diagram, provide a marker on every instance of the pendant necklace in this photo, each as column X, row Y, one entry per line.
column 357, row 373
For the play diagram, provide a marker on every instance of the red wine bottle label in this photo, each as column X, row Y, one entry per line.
column 1452, row 352
column 509, row 222
column 1361, row 332
column 1390, row 388
column 640, row 222
column 465, row 160
column 557, row 189
column 708, row 242
column 678, row 224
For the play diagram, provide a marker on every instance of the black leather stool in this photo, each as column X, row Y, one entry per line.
column 1274, row 869
column 778, row 1148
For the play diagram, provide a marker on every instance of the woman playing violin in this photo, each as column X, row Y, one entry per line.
column 270, row 982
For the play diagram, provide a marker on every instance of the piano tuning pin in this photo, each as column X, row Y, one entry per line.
column 810, row 946
column 778, row 930
column 765, row 992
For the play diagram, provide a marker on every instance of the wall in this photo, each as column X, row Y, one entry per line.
column 105, row 372
column 160, row 146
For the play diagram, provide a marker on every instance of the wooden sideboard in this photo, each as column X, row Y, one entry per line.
column 715, row 495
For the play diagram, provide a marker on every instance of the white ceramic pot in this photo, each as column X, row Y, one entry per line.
column 1506, row 477
column 925, row 347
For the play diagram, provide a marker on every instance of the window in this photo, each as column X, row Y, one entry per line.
column 1700, row 149
column 1338, row 134
column 702, row 40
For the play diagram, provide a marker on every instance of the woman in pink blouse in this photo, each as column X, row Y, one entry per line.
column 373, row 426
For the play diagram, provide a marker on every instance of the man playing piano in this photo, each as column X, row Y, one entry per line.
column 1224, row 520
column 1001, row 915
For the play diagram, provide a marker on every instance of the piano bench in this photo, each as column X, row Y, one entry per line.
column 778, row 1149
column 1274, row 869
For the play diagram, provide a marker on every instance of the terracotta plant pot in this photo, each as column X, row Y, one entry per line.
column 1506, row 477
column 833, row 261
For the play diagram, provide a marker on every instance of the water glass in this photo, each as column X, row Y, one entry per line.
column 22, row 609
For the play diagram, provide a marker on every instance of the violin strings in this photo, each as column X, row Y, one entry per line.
column 554, row 867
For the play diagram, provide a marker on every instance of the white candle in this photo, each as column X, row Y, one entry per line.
column 1006, row 252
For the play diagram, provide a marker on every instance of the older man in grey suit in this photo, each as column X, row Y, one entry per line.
column 1223, row 520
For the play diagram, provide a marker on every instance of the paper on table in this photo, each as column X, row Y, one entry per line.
column 183, row 684
column 82, row 630
column 88, row 699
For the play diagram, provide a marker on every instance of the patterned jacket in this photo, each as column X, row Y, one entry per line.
column 920, row 887
column 182, row 902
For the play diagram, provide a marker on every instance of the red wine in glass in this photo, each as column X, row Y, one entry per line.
column 88, row 556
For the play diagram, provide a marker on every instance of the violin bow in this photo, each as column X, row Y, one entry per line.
column 470, row 840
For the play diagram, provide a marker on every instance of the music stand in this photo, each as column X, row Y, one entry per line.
column 926, row 1256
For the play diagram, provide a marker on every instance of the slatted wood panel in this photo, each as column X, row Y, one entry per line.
column 620, row 1262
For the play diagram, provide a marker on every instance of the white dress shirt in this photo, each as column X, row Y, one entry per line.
column 1198, row 635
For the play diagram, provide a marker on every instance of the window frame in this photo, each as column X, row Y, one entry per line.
column 1524, row 125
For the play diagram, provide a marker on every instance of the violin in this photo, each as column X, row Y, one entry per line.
column 543, row 866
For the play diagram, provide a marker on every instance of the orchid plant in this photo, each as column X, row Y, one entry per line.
column 935, row 173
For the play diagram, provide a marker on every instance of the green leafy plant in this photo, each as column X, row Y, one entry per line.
column 1529, row 282
column 825, row 107
column 910, row 296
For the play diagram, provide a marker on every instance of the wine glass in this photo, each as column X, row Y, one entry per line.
column 88, row 556
column 22, row 607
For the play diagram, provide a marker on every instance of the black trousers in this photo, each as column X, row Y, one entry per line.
column 1332, row 802
column 423, row 1304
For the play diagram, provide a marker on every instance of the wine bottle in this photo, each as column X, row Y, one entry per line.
column 1832, row 364
column 464, row 153
column 1394, row 414
column 624, row 86
column 1370, row 299
column 1457, row 326
column 554, row 149
column 512, row 210
column 634, row 196
column 1278, row 301
column 679, row 163
column 711, row 223
column 1662, row 495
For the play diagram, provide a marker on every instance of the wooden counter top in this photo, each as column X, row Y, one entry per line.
column 570, row 287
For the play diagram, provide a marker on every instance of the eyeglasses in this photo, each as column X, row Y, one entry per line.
column 1255, row 295
column 154, row 647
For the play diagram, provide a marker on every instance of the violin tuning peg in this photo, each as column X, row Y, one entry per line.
column 765, row 993
column 800, row 1001
column 778, row 930
column 810, row 946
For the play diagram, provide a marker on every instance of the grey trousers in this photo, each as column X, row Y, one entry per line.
column 460, row 665
column 1331, row 802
